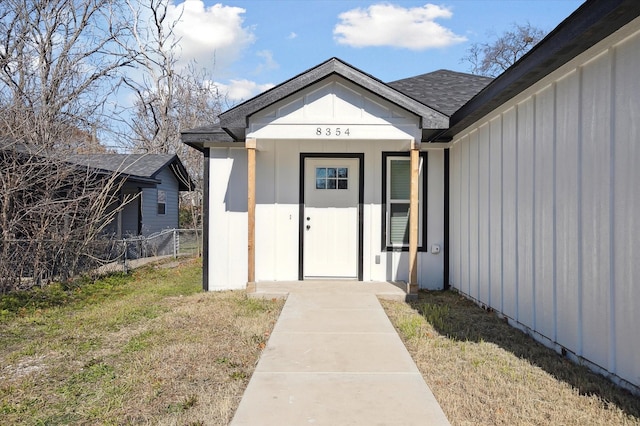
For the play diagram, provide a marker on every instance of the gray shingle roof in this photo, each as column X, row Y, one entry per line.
column 589, row 24
column 138, row 167
column 198, row 136
column 434, row 96
column 145, row 166
column 234, row 120
column 443, row 90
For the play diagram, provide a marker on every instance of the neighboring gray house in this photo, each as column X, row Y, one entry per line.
column 524, row 197
column 157, row 178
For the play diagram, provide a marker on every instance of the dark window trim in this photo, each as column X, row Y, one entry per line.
column 360, row 157
column 423, row 195
column 139, row 201
column 447, row 190
column 205, row 220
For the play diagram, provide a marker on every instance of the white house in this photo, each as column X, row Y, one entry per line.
column 525, row 188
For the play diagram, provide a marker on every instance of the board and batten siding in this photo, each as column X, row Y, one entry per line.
column 283, row 132
column 277, row 214
column 544, row 201
column 228, row 233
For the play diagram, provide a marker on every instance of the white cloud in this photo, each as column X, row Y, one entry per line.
column 267, row 61
column 386, row 24
column 210, row 33
column 292, row 35
column 241, row 90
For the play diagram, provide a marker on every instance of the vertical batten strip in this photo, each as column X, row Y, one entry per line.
column 516, row 125
column 534, row 200
column 413, row 218
column 251, row 213
column 555, row 211
column 581, row 249
column 612, row 204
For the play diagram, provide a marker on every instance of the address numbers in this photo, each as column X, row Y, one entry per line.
column 332, row 131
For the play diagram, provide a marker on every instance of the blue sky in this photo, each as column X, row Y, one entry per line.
column 256, row 44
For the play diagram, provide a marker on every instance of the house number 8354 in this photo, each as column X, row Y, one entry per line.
column 332, row 131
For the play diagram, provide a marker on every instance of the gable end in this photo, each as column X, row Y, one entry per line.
column 236, row 120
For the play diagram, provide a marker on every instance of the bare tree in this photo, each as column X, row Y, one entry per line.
column 169, row 97
column 58, row 61
column 52, row 215
column 493, row 58
column 154, row 84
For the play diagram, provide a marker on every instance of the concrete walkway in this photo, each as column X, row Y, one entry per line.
column 334, row 358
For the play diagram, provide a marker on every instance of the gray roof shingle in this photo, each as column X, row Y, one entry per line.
column 145, row 166
column 234, row 120
column 588, row 25
column 139, row 167
column 443, row 90
column 198, row 136
column 434, row 97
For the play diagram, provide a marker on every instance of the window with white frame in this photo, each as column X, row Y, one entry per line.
column 162, row 202
column 397, row 194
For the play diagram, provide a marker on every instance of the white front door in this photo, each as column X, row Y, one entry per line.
column 330, row 222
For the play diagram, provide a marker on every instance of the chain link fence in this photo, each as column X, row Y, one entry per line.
column 28, row 263
column 174, row 242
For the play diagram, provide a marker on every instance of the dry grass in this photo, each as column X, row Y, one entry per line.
column 145, row 349
column 151, row 348
column 483, row 371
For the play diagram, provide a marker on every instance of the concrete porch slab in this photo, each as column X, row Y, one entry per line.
column 382, row 289
column 330, row 301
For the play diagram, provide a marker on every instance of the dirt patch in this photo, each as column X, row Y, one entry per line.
column 25, row 367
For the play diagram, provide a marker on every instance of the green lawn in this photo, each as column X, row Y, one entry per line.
column 149, row 347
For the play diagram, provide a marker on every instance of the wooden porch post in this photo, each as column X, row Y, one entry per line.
column 251, row 144
column 413, row 218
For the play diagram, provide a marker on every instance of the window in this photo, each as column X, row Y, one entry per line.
column 332, row 178
column 396, row 195
column 162, row 202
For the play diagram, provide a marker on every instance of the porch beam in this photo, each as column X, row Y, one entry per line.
column 251, row 144
column 413, row 217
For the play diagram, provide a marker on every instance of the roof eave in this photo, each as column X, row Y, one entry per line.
column 203, row 137
column 590, row 23
column 127, row 177
column 142, row 181
column 185, row 182
column 235, row 120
